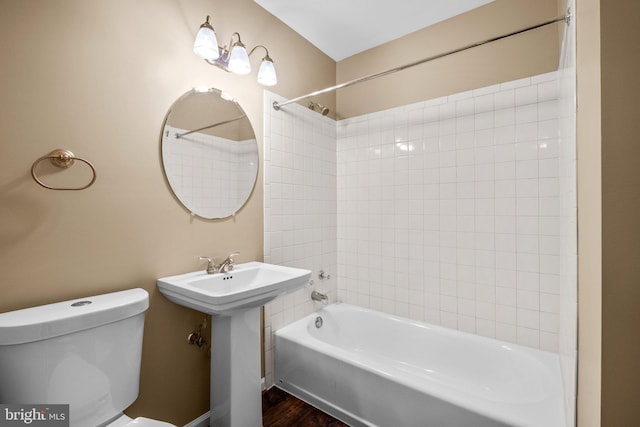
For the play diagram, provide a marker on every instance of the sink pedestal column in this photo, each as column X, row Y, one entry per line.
column 236, row 389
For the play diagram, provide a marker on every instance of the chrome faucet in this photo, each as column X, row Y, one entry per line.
column 317, row 296
column 224, row 267
column 227, row 265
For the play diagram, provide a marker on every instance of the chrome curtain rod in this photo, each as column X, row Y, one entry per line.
column 180, row 135
column 566, row 18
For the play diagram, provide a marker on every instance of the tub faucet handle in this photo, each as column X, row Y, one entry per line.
column 322, row 275
column 211, row 266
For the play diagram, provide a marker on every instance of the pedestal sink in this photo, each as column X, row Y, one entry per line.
column 234, row 298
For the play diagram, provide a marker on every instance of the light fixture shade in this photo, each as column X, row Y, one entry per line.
column 267, row 73
column 206, row 44
column 239, row 60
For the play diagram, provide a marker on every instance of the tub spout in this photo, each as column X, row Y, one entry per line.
column 317, row 296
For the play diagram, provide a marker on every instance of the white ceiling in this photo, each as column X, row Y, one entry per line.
column 342, row 28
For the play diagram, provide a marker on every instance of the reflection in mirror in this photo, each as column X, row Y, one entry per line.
column 209, row 153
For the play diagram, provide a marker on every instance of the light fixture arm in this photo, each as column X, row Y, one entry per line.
column 225, row 51
column 207, row 24
column 239, row 41
column 265, row 49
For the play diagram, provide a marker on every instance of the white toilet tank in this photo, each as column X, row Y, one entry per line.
column 85, row 353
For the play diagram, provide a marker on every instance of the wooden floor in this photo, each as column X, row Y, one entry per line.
column 280, row 409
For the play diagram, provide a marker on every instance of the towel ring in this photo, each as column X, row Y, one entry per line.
column 62, row 159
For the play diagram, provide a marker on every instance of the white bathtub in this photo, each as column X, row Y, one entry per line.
column 372, row 369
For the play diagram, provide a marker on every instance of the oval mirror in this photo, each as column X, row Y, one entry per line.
column 209, row 153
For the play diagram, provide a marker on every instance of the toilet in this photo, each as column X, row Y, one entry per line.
column 85, row 353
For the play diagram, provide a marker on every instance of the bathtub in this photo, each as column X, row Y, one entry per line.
column 372, row 369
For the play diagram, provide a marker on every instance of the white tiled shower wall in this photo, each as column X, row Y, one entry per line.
column 300, row 208
column 448, row 211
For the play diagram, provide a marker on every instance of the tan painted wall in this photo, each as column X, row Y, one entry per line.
column 525, row 55
column 620, row 68
column 589, row 212
column 608, row 200
column 97, row 77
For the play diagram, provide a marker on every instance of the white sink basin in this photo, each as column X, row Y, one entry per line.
column 249, row 285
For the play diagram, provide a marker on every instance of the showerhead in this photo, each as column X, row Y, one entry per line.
column 319, row 108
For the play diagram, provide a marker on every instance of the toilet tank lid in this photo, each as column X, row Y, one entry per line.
column 51, row 320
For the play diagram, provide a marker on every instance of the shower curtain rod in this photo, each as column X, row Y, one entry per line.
column 566, row 18
column 180, row 135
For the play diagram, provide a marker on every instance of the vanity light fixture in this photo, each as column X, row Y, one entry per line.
column 233, row 58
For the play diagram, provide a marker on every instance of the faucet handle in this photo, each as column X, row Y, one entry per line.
column 211, row 265
column 322, row 275
column 230, row 260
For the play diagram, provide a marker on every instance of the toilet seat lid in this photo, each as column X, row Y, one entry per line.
column 148, row 422
column 125, row 421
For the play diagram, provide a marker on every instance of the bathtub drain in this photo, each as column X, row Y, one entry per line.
column 318, row 322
